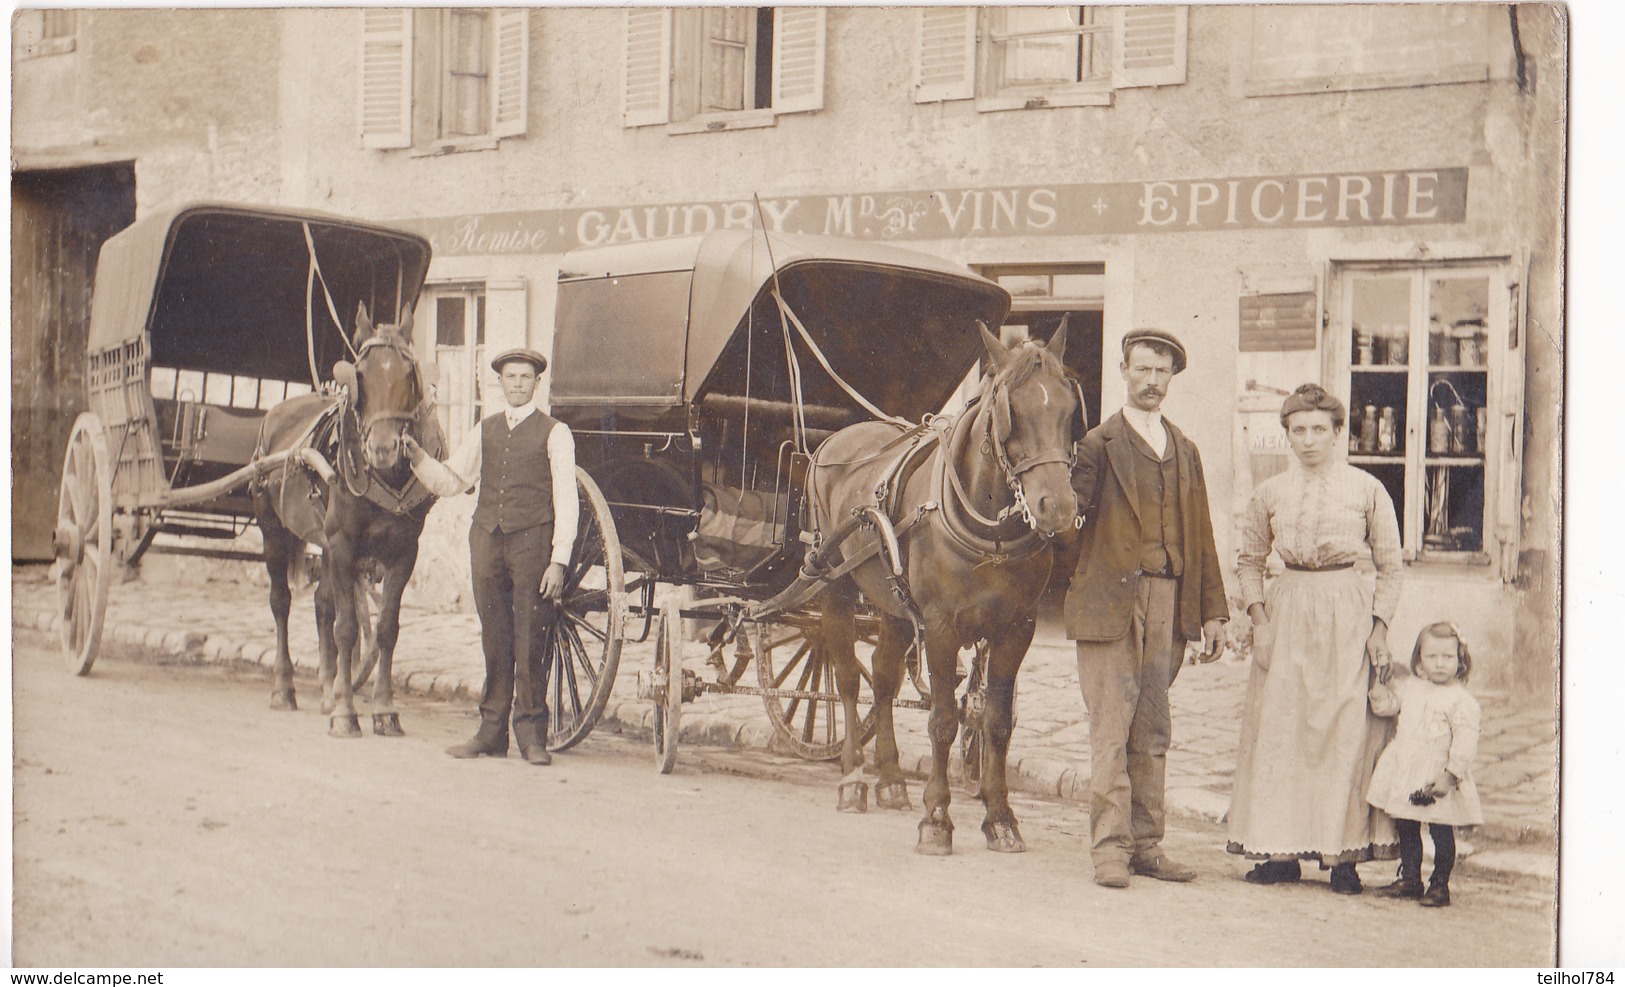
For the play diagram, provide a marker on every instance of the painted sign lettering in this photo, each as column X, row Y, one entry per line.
column 1380, row 198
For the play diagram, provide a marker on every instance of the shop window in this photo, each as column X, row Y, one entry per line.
column 459, row 354
column 1434, row 380
column 1342, row 47
column 37, row 33
column 722, row 68
column 443, row 80
column 1010, row 58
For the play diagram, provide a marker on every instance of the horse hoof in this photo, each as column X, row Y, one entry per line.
column 328, row 706
column 893, row 795
column 387, row 725
column 283, row 699
column 1004, row 837
column 936, row 837
column 852, row 797
column 344, row 725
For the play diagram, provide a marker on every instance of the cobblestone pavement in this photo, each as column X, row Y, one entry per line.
column 218, row 611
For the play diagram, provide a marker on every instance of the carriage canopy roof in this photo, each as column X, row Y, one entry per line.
column 666, row 323
column 228, row 287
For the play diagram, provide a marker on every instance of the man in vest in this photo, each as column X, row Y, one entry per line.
column 1147, row 581
column 519, row 546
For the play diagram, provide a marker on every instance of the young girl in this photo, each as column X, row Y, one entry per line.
column 1425, row 775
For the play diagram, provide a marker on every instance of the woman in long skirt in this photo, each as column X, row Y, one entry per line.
column 1320, row 638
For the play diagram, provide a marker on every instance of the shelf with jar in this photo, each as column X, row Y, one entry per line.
column 1457, row 419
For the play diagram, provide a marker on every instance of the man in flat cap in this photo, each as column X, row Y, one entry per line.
column 1147, row 581
column 519, row 546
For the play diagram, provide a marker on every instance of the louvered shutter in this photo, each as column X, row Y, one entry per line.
column 1148, row 46
column 386, row 78
column 510, row 102
column 647, row 97
column 947, row 54
column 798, row 59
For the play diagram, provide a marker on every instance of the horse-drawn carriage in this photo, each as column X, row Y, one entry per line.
column 701, row 376
column 204, row 318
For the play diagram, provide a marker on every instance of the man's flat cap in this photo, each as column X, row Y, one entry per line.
column 531, row 357
column 1162, row 336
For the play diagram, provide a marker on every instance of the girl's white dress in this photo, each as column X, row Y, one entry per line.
column 1438, row 730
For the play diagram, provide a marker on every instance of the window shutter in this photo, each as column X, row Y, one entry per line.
column 798, row 59
column 1509, row 498
column 1148, row 46
column 947, row 55
column 647, row 97
column 386, row 78
column 510, row 88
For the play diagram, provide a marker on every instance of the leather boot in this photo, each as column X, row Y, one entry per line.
column 1346, row 880
column 1409, row 884
column 1438, row 893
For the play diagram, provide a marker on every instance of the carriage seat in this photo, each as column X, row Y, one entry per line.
column 737, row 527
column 213, row 418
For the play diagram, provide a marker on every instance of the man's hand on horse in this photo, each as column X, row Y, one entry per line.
column 553, row 581
column 414, row 452
column 1213, row 642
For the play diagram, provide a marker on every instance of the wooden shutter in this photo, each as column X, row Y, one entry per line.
column 1148, row 46
column 647, row 96
column 1509, row 473
column 798, row 59
column 386, row 78
column 947, row 55
column 510, row 76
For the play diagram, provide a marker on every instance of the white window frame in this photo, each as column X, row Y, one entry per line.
column 666, row 51
column 405, row 79
column 960, row 56
column 459, row 377
column 42, row 32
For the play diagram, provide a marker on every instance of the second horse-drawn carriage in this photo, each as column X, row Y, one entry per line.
column 701, row 376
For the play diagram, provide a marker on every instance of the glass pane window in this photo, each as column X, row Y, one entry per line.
column 459, row 336
column 726, row 58
column 1423, row 378
column 1046, row 46
column 466, row 84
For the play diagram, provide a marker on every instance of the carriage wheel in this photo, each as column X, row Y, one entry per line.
column 83, row 542
column 668, row 682
column 583, row 647
column 790, row 656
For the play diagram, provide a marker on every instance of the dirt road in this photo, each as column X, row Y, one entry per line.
column 164, row 816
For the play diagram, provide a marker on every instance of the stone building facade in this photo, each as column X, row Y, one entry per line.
column 1366, row 197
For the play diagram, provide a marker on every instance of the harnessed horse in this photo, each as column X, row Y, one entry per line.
column 368, row 506
column 975, row 507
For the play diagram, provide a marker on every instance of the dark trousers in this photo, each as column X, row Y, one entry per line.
column 1125, row 688
column 1410, row 848
column 514, row 620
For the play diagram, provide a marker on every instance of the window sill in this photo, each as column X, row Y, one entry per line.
column 454, row 146
column 50, row 46
column 1043, row 100
column 714, row 122
column 1451, row 75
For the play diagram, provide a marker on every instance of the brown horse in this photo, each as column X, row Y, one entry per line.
column 349, row 490
column 974, row 516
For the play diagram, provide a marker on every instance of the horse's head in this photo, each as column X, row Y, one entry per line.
column 386, row 391
column 1034, row 410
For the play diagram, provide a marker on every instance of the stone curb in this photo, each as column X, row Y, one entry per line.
column 1033, row 775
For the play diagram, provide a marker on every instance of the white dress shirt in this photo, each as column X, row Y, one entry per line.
column 1149, row 425
column 462, row 470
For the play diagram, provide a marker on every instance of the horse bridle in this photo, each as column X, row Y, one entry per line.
column 374, row 416
column 997, row 389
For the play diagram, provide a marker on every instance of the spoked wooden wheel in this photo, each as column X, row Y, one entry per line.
column 668, row 688
column 789, row 656
column 583, row 647
column 83, row 542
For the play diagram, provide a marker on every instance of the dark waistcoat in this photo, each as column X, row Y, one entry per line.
column 1158, row 483
column 516, row 478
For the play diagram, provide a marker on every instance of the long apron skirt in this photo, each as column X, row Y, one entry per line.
column 1308, row 739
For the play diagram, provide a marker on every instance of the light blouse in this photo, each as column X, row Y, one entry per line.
column 1322, row 516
